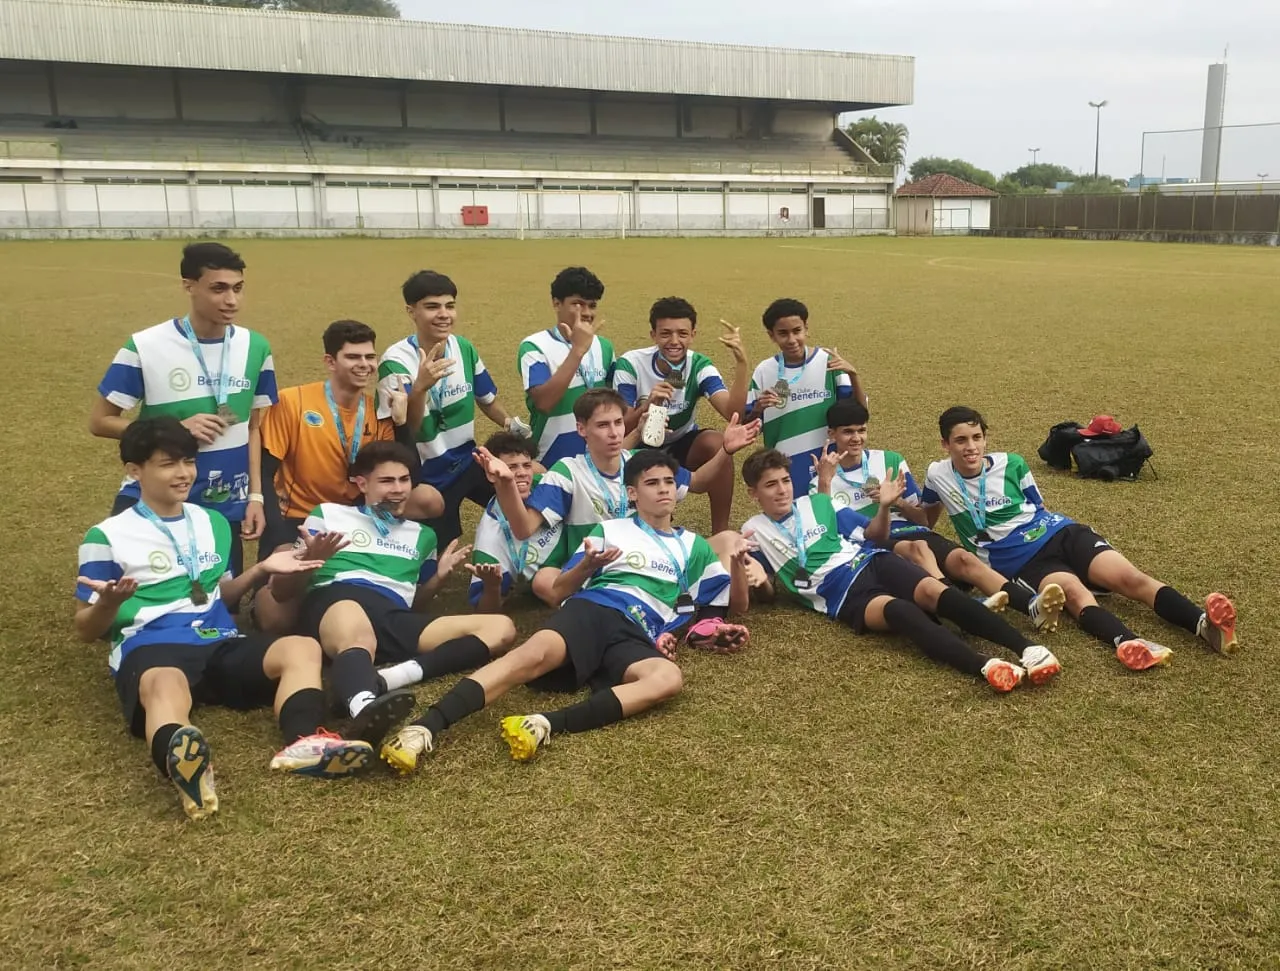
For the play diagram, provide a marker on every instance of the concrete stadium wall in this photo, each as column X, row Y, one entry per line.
column 459, row 109
column 24, row 89
column 1140, row 235
column 644, row 119
column 812, row 122
column 209, row 96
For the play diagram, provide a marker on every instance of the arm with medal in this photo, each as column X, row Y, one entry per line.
column 889, row 491
column 736, row 438
column 524, row 522
column 570, row 581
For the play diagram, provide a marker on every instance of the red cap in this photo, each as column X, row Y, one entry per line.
column 1101, row 425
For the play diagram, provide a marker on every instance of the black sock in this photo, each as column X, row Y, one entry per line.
column 160, row 747
column 905, row 618
column 1019, row 596
column 720, row 613
column 453, row 656
column 352, row 673
column 973, row 618
column 602, row 708
column 1177, row 609
column 1105, row 626
column 301, row 714
column 463, row 699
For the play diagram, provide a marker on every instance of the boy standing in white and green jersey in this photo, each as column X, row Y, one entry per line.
column 996, row 509
column 580, row 491
column 154, row 581
column 851, row 474
column 366, row 602
column 558, row 365
column 446, row 381
column 499, row 561
column 793, row 389
column 802, row 546
column 631, row 585
column 673, row 376
column 216, row 378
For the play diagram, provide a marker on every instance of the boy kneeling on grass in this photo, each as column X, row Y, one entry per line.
column 154, row 580
column 630, row 586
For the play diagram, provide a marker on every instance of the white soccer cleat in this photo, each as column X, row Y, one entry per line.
column 1046, row 607
column 1002, row 675
column 525, row 734
column 996, row 602
column 1040, row 664
column 402, row 750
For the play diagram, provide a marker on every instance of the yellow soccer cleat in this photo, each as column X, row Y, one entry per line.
column 525, row 734
column 403, row 749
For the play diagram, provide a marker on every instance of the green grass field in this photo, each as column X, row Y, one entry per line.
column 819, row 802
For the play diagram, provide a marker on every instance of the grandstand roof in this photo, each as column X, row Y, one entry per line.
column 227, row 39
column 943, row 186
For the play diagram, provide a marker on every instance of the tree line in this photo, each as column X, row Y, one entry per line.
column 362, row 8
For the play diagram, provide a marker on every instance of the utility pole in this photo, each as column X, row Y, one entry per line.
column 1097, row 132
column 1034, row 152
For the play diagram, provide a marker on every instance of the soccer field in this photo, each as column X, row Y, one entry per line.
column 820, row 801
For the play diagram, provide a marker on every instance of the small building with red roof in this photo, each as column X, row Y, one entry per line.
column 941, row 205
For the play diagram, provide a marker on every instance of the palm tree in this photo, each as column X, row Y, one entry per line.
column 884, row 141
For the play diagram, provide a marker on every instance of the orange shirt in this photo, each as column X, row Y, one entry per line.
column 299, row 430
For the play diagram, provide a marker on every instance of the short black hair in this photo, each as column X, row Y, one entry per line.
column 343, row 332
column 761, row 461
column 509, row 443
column 672, row 308
column 427, row 283
column 576, row 281
column 146, row 436
column 959, row 415
column 375, row 453
column 589, row 401
column 198, row 257
column 846, row 411
column 784, row 307
column 644, row 460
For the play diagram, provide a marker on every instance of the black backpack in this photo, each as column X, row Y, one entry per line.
column 1105, row 457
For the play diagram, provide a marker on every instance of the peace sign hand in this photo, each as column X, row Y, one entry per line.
column 837, row 363
column 732, row 339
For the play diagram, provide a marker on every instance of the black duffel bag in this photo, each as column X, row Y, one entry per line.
column 1101, row 450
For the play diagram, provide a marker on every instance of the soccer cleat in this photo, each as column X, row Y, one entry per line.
column 996, row 602
column 1002, row 675
column 1139, row 654
column 191, row 772
column 718, row 636
column 380, row 715
column 1218, row 624
column 402, row 750
column 1046, row 607
column 1040, row 664
column 525, row 734
column 323, row 755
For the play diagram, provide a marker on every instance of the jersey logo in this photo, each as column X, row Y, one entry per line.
column 179, row 379
column 1035, row 533
column 208, row 633
column 360, row 538
column 313, row 418
column 159, row 562
column 635, row 560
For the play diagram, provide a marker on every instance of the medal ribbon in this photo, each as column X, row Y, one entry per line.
column 797, row 534
column 518, row 553
column 681, row 568
column 357, row 433
column 617, row 507
column 223, row 387
column 977, row 513
column 866, row 471
column 382, row 520
column 188, row 560
column 782, row 368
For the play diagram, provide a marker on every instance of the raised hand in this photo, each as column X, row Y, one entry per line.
column 824, row 467
column 490, row 574
column 837, row 363
column 113, row 593
column 432, row 366
column 319, row 546
column 583, row 332
column 206, row 428
column 283, row 562
column 452, row 556
column 889, row 491
column 495, row 470
column 398, row 403
column 595, row 559
column 732, row 339
column 738, row 437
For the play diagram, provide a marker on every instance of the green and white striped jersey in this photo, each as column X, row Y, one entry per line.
column 518, row 559
column 447, row 435
column 161, row 611
column 832, row 562
column 637, row 374
column 848, row 487
column 394, row 564
column 798, row 427
column 539, row 357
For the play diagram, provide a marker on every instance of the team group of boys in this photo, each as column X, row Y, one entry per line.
column 353, row 487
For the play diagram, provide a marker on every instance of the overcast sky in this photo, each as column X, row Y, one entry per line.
column 995, row 77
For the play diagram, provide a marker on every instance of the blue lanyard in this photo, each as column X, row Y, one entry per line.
column 223, row 388
column 977, row 513
column 617, row 507
column 682, row 370
column 519, row 553
column 783, row 365
column 589, row 357
column 866, row 471
column 190, row 560
column 357, row 433
column 681, row 569
column 797, row 534
column 382, row 521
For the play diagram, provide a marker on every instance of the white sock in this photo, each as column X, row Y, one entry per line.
column 401, row 675
column 1202, row 628
column 361, row 701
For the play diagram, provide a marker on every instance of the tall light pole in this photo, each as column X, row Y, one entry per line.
column 1034, row 152
column 1097, row 132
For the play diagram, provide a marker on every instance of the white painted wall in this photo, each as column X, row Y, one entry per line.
column 24, row 90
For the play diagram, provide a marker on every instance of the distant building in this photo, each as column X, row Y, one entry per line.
column 941, row 205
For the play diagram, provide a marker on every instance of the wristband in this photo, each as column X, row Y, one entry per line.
column 255, row 497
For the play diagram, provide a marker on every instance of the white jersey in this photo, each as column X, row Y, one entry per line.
column 518, row 559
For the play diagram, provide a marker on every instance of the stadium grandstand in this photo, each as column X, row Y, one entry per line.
column 120, row 118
